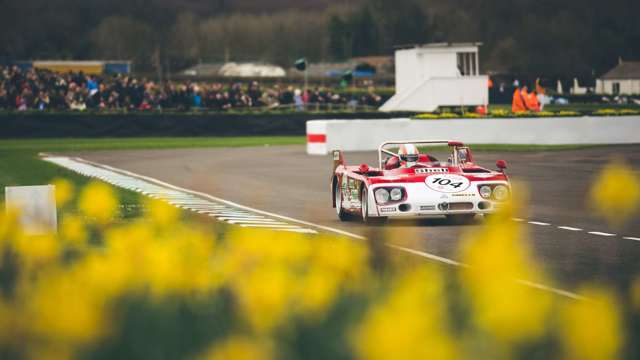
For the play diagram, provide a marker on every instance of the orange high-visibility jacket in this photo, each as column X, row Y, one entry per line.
column 518, row 104
column 532, row 102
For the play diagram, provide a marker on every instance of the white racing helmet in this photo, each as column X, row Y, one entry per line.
column 409, row 154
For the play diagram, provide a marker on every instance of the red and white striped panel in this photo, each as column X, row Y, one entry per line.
column 317, row 137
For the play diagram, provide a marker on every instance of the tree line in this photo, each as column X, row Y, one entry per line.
column 572, row 37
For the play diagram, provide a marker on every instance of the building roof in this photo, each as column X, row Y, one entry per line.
column 624, row 70
column 438, row 45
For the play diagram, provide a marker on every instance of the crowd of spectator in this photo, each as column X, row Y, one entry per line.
column 36, row 89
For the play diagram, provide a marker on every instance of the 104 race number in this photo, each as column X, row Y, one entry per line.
column 447, row 183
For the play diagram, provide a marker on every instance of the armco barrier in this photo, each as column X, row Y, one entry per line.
column 361, row 135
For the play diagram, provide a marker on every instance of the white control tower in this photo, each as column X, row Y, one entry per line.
column 433, row 75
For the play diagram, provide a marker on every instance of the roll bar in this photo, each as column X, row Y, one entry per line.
column 381, row 148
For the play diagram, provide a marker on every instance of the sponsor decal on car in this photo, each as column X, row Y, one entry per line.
column 431, row 170
column 387, row 209
column 447, row 183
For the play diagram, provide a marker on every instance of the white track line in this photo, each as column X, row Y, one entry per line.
column 256, row 222
column 520, row 281
column 632, row 238
column 601, row 233
column 318, row 226
column 258, row 218
column 538, row 223
column 267, row 226
column 561, row 292
column 178, row 197
column 569, row 228
column 427, row 255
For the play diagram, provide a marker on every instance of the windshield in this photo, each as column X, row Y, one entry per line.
column 429, row 155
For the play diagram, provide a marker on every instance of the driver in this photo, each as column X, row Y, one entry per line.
column 409, row 155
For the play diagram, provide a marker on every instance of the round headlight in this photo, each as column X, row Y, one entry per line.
column 396, row 194
column 501, row 193
column 485, row 191
column 382, row 196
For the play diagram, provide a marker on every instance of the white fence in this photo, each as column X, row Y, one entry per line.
column 360, row 135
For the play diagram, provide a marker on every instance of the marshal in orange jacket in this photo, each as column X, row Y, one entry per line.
column 519, row 101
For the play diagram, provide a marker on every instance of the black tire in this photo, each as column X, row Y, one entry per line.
column 337, row 195
column 460, row 219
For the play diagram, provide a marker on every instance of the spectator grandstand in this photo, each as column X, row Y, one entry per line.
column 40, row 89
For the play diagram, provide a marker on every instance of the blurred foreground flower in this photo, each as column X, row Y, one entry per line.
column 240, row 348
column 63, row 191
column 161, row 212
column 615, row 194
column 275, row 276
column 73, row 230
column 267, row 291
column 497, row 256
column 592, row 329
column 9, row 224
column 61, row 310
column 37, row 249
column 410, row 323
column 98, row 201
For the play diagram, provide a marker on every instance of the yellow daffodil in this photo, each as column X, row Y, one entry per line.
column 410, row 323
column 73, row 230
column 37, row 248
column 63, row 191
column 161, row 212
column 98, row 202
column 498, row 257
column 615, row 194
column 63, row 311
column 592, row 329
column 240, row 348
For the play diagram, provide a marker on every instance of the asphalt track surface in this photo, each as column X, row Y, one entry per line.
column 572, row 244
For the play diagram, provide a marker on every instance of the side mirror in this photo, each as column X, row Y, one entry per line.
column 501, row 164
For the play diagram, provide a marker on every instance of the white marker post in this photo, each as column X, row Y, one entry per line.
column 36, row 206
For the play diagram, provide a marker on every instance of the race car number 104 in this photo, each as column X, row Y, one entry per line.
column 447, row 183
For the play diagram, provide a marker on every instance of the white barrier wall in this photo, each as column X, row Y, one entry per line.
column 360, row 135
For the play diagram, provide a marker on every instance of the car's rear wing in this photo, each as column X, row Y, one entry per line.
column 382, row 150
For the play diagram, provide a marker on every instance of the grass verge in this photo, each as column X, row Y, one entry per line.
column 40, row 145
column 20, row 164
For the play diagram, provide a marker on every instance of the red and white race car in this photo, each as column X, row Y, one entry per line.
column 410, row 182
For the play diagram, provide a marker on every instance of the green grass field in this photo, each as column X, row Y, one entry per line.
column 20, row 164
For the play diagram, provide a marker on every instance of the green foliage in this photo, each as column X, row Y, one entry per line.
column 537, row 37
column 376, row 27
